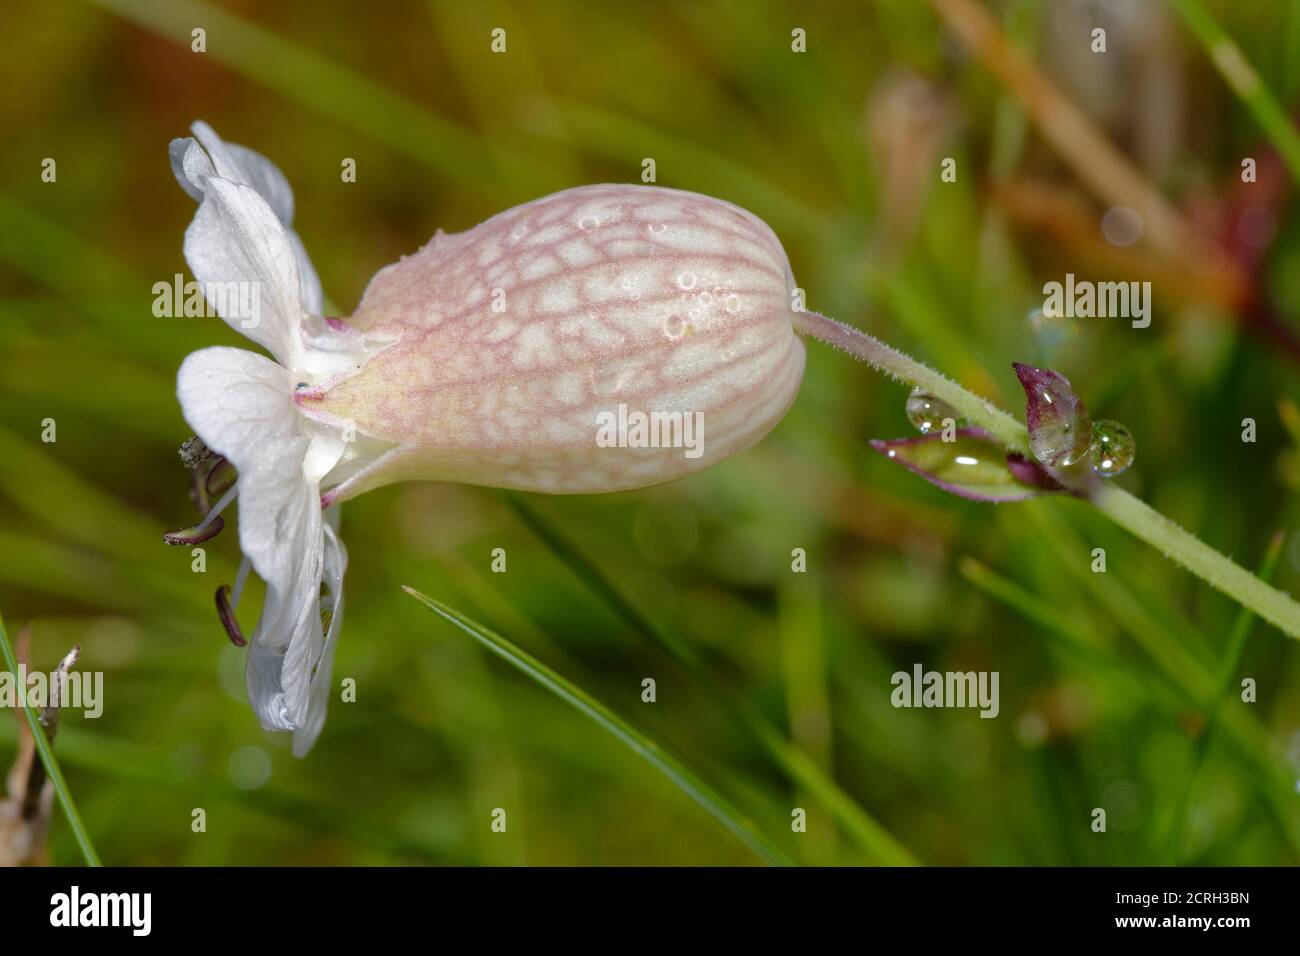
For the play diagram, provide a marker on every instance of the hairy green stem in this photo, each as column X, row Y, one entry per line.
column 1180, row 545
column 1130, row 513
column 887, row 359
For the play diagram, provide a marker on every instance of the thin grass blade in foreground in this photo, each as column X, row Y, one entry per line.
column 674, row 769
column 796, row 764
column 47, row 758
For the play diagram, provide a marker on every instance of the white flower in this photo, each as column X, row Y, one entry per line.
column 490, row 357
column 242, row 250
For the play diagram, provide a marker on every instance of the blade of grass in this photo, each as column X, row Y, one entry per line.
column 800, row 768
column 72, row 506
column 52, row 769
column 1186, row 673
column 1078, row 639
column 805, row 671
column 689, row 783
column 101, row 287
column 346, row 97
column 1068, row 632
column 1245, row 82
column 1075, row 636
column 1076, row 139
column 149, row 767
column 609, row 133
column 1232, row 655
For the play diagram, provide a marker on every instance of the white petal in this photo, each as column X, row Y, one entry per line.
column 313, row 299
column 236, row 238
column 190, row 165
column 193, row 163
column 288, row 638
column 241, row 405
column 243, row 165
column 335, row 564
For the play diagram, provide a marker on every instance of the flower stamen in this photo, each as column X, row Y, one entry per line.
column 214, row 514
column 212, row 522
column 196, row 534
column 194, row 452
column 221, row 476
column 199, row 492
column 241, row 578
column 226, row 612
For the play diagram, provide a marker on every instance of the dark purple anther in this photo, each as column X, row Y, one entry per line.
column 196, row 534
column 227, row 615
column 220, row 477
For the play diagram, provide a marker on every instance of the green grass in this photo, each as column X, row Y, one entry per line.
column 52, row 769
column 659, row 757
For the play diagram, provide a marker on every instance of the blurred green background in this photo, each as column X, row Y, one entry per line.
column 1107, row 680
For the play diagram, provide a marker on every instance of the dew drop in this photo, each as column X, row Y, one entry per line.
column 686, row 280
column 926, row 413
column 655, row 228
column 588, row 222
column 1113, row 448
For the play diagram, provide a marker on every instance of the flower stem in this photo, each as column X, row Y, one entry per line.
column 1139, row 518
column 887, row 359
column 1130, row 513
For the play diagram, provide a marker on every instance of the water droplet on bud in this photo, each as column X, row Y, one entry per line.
column 926, row 413
column 1113, row 448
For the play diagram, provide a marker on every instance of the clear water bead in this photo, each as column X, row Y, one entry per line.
column 1113, row 448
column 926, row 413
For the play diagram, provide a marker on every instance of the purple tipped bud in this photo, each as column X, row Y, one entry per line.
column 1060, row 429
column 972, row 466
